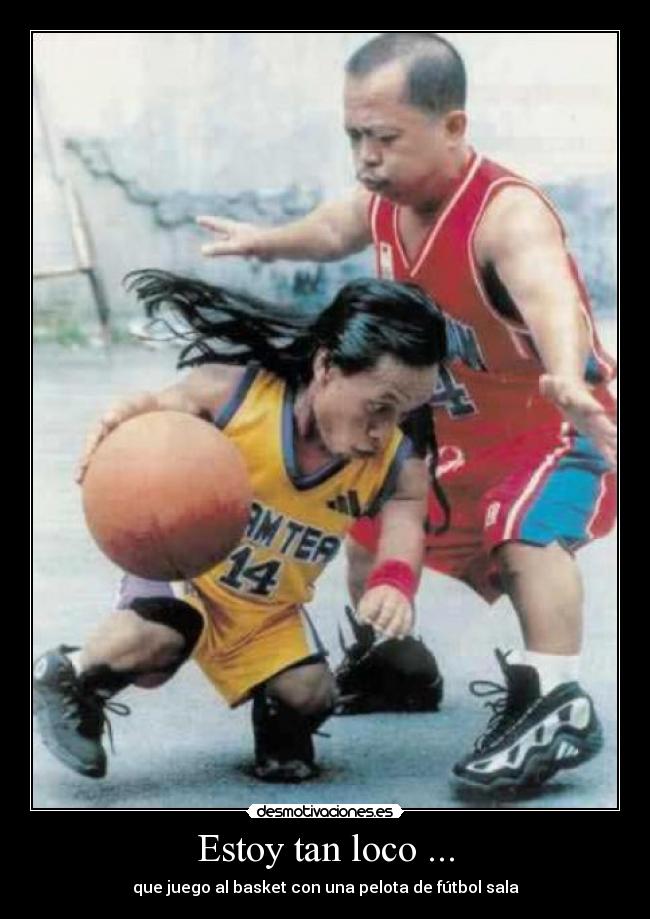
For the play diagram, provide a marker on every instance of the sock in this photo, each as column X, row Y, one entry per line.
column 100, row 679
column 553, row 669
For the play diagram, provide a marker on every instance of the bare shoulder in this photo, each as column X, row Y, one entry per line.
column 352, row 214
column 517, row 215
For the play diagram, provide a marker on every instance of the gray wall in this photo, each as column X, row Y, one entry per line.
column 159, row 127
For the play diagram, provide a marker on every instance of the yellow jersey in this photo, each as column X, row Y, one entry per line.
column 297, row 522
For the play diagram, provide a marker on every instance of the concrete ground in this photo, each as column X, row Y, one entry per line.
column 181, row 747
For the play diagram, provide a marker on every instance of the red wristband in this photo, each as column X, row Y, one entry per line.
column 394, row 573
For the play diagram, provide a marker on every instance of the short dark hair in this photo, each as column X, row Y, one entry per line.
column 436, row 80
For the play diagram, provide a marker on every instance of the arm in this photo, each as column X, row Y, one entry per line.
column 332, row 231
column 522, row 240
column 202, row 393
column 385, row 607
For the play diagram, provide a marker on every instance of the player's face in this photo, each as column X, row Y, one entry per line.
column 399, row 150
column 356, row 414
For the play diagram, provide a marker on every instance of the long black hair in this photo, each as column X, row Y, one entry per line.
column 367, row 319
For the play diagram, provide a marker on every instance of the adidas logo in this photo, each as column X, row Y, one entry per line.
column 347, row 504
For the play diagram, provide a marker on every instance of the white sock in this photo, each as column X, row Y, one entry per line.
column 553, row 669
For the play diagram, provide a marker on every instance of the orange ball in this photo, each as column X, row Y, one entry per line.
column 166, row 496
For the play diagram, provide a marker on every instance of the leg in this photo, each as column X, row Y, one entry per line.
column 308, row 689
column 544, row 721
column 287, row 710
column 142, row 645
column 545, row 587
column 560, row 496
column 278, row 661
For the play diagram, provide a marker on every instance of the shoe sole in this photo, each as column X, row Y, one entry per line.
column 542, row 764
column 282, row 780
column 283, row 776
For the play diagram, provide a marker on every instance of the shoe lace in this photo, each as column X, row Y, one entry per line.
column 504, row 712
column 115, row 708
column 88, row 709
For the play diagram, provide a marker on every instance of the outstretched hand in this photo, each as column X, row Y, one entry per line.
column 584, row 411
column 116, row 415
column 231, row 238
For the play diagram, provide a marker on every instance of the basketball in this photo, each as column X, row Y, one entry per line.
column 166, row 496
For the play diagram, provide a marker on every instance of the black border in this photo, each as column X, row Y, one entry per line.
column 558, row 863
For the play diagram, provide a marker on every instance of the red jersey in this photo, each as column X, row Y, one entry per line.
column 489, row 388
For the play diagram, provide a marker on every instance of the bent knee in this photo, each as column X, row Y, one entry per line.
column 310, row 690
column 518, row 559
column 149, row 645
column 161, row 647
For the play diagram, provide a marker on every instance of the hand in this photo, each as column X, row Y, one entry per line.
column 387, row 610
column 116, row 415
column 584, row 412
column 232, row 238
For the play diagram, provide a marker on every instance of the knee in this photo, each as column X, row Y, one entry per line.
column 126, row 639
column 147, row 648
column 168, row 631
column 308, row 690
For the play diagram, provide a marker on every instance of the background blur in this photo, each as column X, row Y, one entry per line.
column 153, row 128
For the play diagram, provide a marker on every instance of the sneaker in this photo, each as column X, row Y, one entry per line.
column 292, row 771
column 386, row 675
column 70, row 718
column 284, row 749
column 530, row 737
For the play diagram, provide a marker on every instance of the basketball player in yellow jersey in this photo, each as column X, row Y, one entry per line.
column 315, row 415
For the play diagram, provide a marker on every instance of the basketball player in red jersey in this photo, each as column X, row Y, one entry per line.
column 523, row 414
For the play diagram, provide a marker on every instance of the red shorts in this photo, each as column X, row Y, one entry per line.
column 542, row 487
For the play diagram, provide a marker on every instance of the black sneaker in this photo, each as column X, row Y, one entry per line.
column 287, row 772
column 387, row 675
column 530, row 737
column 284, row 749
column 70, row 718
